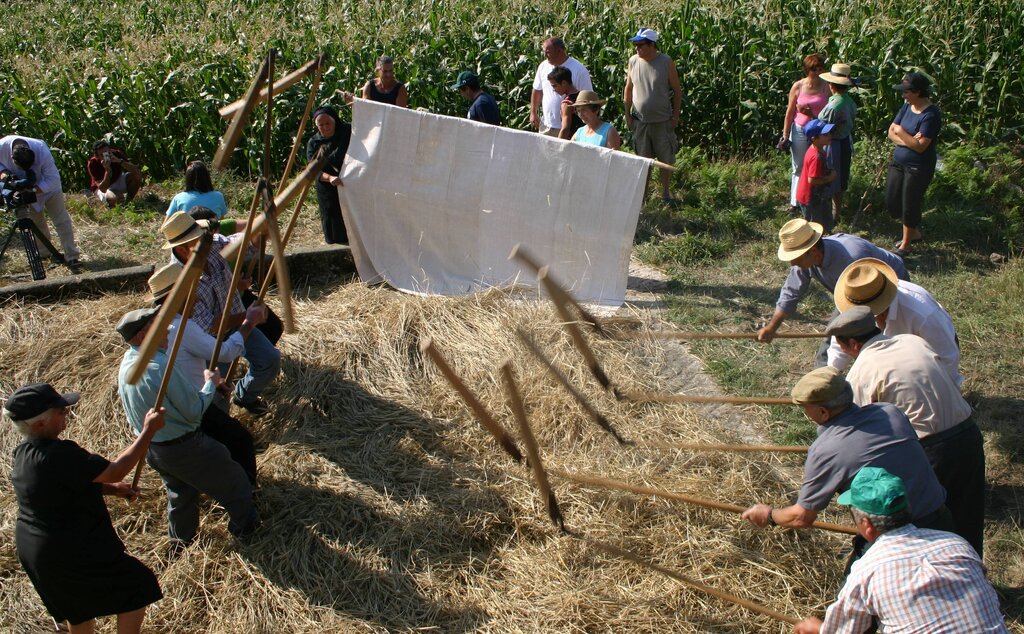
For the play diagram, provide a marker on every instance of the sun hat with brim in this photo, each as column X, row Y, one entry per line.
column 914, row 81
column 796, row 237
column 820, row 385
column 866, row 282
column 32, row 400
column 838, row 74
column 876, row 491
column 162, row 281
column 134, row 321
column 180, row 228
column 588, row 98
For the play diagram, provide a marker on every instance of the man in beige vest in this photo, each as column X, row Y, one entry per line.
column 652, row 100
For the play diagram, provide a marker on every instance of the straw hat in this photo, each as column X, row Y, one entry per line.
column 838, row 74
column 588, row 98
column 796, row 237
column 866, row 282
column 162, row 281
column 180, row 228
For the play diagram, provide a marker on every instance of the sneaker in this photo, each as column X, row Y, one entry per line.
column 257, row 407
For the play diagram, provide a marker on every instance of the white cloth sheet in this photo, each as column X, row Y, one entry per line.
column 434, row 204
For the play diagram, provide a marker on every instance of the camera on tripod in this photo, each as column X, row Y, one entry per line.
column 18, row 192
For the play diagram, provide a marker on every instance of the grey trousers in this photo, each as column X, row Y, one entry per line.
column 58, row 213
column 202, row 465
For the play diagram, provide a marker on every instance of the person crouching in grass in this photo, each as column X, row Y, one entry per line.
column 813, row 190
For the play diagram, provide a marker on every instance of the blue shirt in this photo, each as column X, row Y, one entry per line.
column 185, row 201
column 927, row 122
column 841, row 250
column 185, row 406
column 485, row 109
column 599, row 137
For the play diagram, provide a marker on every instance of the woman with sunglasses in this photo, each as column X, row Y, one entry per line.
column 806, row 99
column 64, row 538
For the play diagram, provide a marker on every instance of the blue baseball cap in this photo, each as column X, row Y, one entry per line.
column 817, row 127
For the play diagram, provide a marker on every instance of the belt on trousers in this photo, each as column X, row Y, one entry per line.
column 955, row 430
column 176, row 441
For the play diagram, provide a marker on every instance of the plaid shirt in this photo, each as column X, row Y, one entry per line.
column 917, row 580
column 214, row 288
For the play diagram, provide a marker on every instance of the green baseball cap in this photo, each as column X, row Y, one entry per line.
column 876, row 491
column 466, row 78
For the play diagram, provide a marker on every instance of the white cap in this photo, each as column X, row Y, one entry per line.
column 645, row 34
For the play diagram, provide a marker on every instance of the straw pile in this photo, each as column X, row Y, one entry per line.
column 387, row 507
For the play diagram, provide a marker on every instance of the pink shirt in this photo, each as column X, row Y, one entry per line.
column 815, row 102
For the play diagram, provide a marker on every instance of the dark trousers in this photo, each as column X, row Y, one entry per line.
column 228, row 431
column 272, row 327
column 330, row 214
column 820, row 211
column 958, row 457
column 904, row 191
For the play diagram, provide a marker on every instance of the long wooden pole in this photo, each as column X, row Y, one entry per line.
column 577, row 336
column 696, row 585
column 730, row 447
column 532, row 448
column 482, row 414
column 284, row 283
column 652, row 397
column 618, row 485
column 554, row 289
column 630, row 336
column 297, row 143
column 280, row 85
column 591, row 411
column 237, row 125
column 157, row 334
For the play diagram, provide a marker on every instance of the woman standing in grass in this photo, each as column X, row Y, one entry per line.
column 594, row 130
column 913, row 132
column 332, row 137
column 385, row 88
column 807, row 97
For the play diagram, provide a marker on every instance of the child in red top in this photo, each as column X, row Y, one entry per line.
column 812, row 191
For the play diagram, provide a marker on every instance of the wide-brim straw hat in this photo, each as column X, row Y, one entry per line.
column 838, row 74
column 162, row 281
column 588, row 98
column 866, row 282
column 180, row 228
column 796, row 237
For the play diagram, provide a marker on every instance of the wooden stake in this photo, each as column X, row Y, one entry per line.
column 532, row 448
column 691, row 446
column 179, row 293
column 237, row 125
column 284, row 283
column 651, row 397
column 618, row 485
column 280, row 85
column 596, row 416
column 577, row 336
column 697, row 585
column 629, row 336
column 486, row 419
column 297, row 143
column 555, row 289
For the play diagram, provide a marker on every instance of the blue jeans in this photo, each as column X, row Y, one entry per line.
column 202, row 465
column 264, row 365
column 797, row 150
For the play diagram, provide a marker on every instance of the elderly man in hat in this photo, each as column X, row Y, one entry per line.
column 811, row 254
column 851, row 437
column 912, row 579
column 652, row 100
column 189, row 462
column 905, row 371
column 213, row 293
column 194, row 356
column 900, row 307
column 543, row 95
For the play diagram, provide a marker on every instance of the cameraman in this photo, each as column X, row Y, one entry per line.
column 113, row 178
column 18, row 157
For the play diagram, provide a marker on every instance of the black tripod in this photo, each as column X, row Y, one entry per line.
column 29, row 232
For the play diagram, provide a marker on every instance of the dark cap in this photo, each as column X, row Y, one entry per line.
column 855, row 322
column 916, row 82
column 34, row 399
column 466, row 78
column 817, row 127
column 135, row 321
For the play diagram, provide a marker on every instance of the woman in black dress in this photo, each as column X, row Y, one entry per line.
column 333, row 136
column 64, row 537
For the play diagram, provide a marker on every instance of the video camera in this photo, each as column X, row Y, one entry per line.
column 18, row 192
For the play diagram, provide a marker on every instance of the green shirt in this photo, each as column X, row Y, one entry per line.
column 840, row 110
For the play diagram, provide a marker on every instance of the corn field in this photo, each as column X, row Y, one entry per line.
column 152, row 74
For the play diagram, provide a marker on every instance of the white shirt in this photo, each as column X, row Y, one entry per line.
column 47, row 176
column 915, row 312
column 197, row 348
column 551, row 103
column 905, row 371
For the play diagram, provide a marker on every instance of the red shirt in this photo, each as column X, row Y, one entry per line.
column 814, row 167
column 96, row 171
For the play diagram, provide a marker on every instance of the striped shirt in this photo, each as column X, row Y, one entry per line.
column 214, row 289
column 915, row 580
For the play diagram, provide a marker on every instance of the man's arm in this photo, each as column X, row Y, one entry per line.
column 677, row 92
column 535, row 99
column 47, row 177
column 566, row 131
column 793, row 516
column 627, row 101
